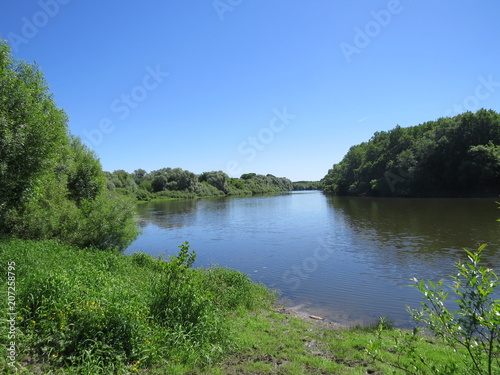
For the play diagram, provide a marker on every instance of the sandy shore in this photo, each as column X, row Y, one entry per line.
column 302, row 312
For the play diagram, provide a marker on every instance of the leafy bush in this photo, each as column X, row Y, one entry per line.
column 125, row 192
column 143, row 260
column 107, row 223
column 204, row 189
column 143, row 195
column 180, row 304
column 232, row 289
column 472, row 331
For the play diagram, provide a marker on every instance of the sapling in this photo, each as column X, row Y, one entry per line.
column 475, row 325
column 471, row 330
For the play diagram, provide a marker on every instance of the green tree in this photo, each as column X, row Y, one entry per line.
column 85, row 178
column 140, row 175
column 219, row 180
column 159, row 183
column 51, row 185
column 32, row 132
column 125, row 180
column 248, row 176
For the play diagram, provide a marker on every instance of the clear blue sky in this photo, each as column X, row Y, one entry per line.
column 267, row 86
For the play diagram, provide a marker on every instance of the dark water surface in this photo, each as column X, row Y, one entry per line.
column 348, row 259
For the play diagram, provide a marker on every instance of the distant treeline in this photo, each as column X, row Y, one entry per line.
column 179, row 183
column 452, row 157
column 307, row 185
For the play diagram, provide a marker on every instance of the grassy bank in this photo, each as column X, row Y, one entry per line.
column 98, row 312
column 93, row 312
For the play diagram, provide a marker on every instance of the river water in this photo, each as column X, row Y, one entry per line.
column 349, row 259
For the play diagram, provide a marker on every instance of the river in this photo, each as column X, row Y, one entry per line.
column 348, row 259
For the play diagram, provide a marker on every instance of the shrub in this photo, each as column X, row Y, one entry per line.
column 180, row 305
column 472, row 331
column 108, row 223
column 143, row 195
column 232, row 289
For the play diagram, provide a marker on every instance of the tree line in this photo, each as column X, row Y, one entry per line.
column 179, row 183
column 307, row 185
column 450, row 157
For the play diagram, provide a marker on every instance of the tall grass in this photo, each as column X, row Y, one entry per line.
column 88, row 311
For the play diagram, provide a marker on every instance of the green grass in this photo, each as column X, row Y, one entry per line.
column 94, row 312
column 271, row 342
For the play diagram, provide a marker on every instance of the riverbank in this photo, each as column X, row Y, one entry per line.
column 284, row 341
column 200, row 197
column 94, row 312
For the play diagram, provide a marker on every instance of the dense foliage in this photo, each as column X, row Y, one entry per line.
column 179, row 183
column 307, row 185
column 458, row 156
column 81, row 311
column 51, row 184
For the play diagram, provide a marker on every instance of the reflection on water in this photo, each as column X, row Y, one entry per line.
column 349, row 259
column 167, row 214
